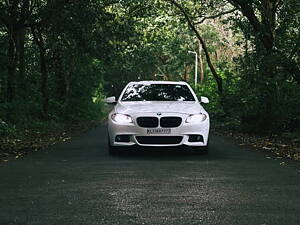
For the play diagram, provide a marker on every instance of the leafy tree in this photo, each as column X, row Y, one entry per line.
column 263, row 26
column 196, row 13
column 59, row 57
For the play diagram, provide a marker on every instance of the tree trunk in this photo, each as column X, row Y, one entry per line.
column 264, row 30
column 270, row 90
column 216, row 76
column 186, row 72
column 21, row 77
column 269, row 67
column 62, row 81
column 2, row 90
column 12, row 65
column 211, row 67
column 38, row 38
column 44, row 84
column 201, row 69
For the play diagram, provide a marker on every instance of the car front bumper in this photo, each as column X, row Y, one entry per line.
column 185, row 130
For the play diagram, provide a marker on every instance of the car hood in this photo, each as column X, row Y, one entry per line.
column 163, row 107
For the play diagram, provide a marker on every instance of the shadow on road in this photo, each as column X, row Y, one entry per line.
column 161, row 153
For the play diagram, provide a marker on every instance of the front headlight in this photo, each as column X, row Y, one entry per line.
column 196, row 118
column 121, row 118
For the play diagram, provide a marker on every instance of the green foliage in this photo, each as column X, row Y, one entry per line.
column 77, row 41
column 93, row 48
column 220, row 106
column 7, row 129
column 209, row 89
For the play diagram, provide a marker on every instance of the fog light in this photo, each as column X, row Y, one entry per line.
column 195, row 138
column 122, row 138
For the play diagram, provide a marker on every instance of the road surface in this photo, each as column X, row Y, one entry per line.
column 78, row 183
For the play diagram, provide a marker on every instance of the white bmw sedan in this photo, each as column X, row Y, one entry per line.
column 158, row 113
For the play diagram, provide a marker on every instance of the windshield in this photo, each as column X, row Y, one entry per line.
column 157, row 92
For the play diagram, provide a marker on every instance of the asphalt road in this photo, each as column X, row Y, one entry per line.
column 78, row 183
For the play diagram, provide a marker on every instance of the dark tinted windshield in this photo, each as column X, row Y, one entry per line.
column 157, row 92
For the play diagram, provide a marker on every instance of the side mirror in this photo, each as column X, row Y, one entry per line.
column 204, row 100
column 111, row 100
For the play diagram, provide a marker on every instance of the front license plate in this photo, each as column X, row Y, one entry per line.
column 159, row 131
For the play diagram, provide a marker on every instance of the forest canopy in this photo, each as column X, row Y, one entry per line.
column 60, row 58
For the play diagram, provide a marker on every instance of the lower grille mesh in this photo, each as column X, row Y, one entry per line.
column 160, row 140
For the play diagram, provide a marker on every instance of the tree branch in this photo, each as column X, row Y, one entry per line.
column 192, row 26
column 248, row 12
column 263, row 29
column 37, row 36
column 215, row 16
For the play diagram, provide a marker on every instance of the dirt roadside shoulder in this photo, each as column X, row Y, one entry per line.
column 14, row 148
column 283, row 146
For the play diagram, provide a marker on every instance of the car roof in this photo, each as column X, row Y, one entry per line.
column 158, row 82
